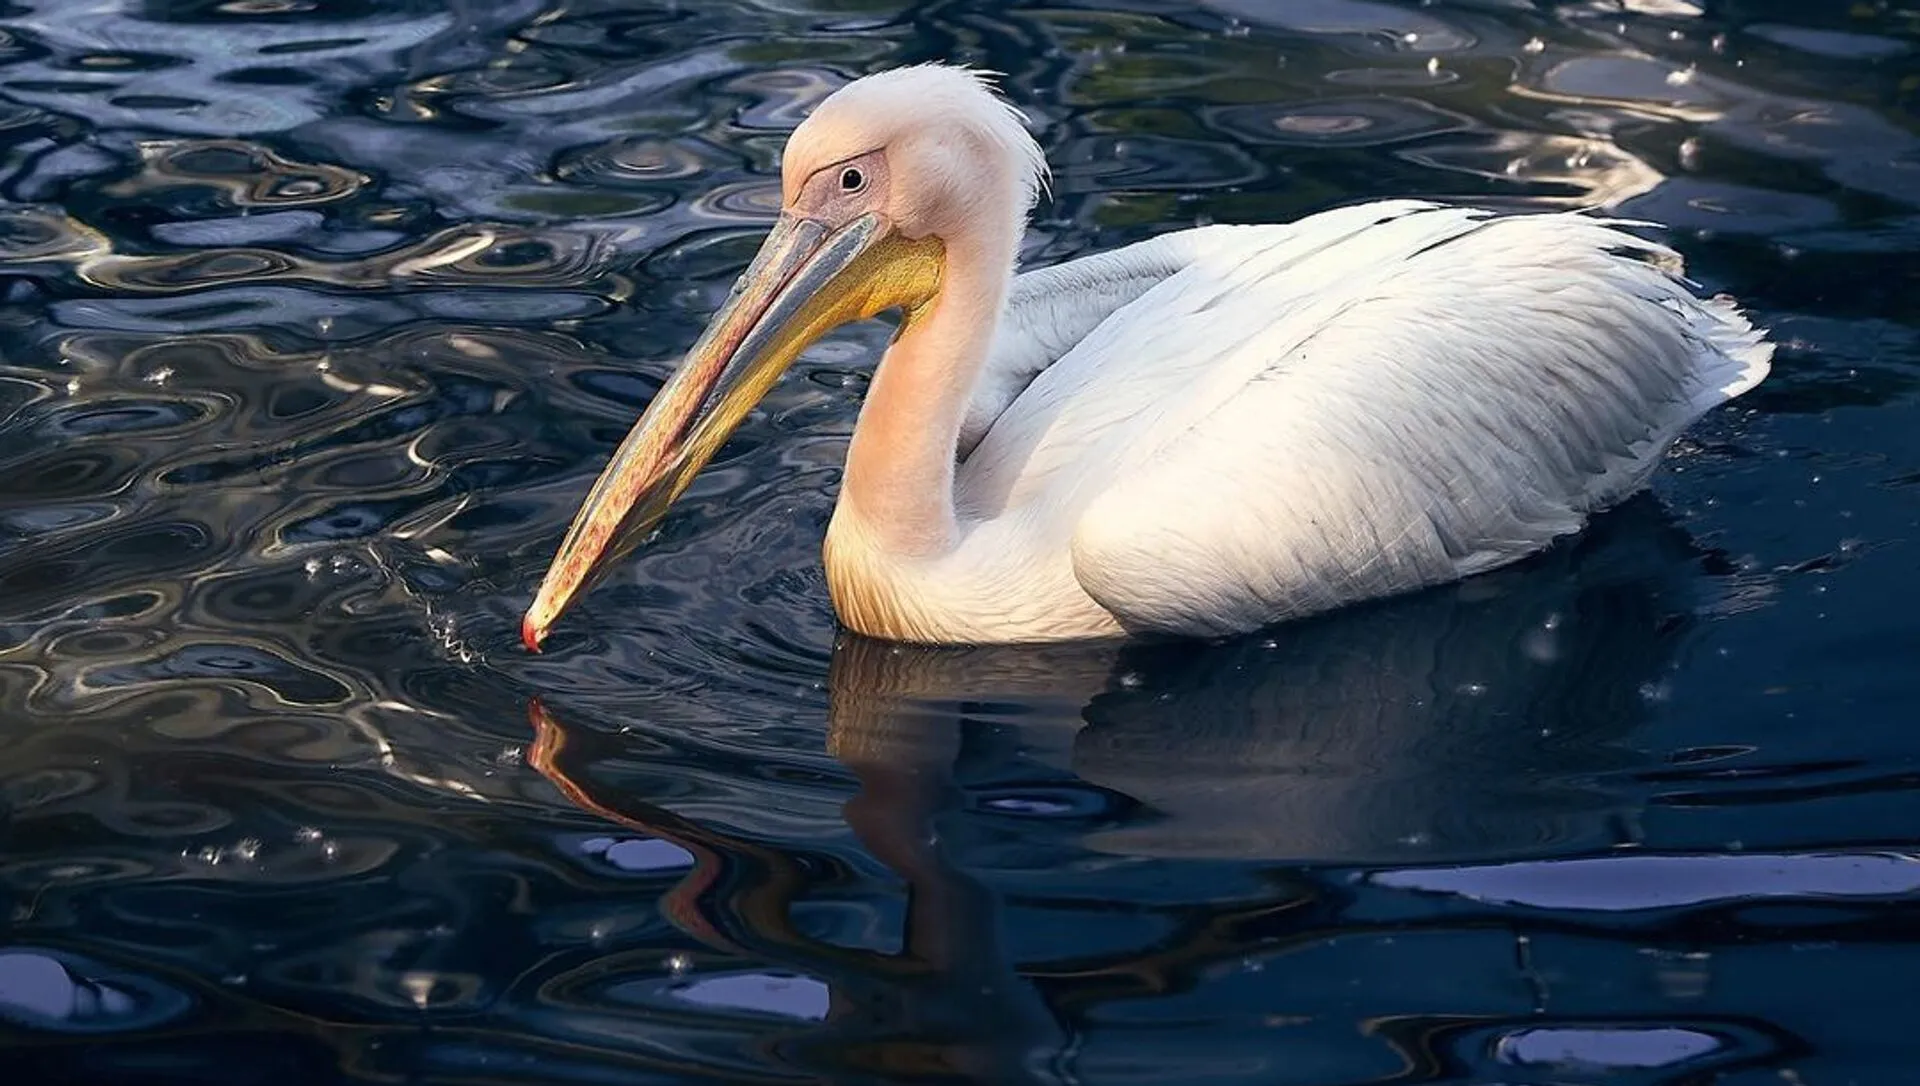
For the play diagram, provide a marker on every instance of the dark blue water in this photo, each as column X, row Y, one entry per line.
column 319, row 318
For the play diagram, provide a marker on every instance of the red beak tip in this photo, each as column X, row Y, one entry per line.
column 530, row 636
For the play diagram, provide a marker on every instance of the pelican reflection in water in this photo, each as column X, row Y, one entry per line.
column 1200, row 434
column 1475, row 724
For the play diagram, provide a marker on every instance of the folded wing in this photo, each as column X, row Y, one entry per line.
column 1369, row 401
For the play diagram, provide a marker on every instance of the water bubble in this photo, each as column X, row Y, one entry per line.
column 677, row 964
column 160, row 376
column 1535, row 45
column 307, row 835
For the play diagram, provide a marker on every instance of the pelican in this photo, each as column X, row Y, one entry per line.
column 1198, row 435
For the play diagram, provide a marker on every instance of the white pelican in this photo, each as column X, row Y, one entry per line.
column 1200, row 434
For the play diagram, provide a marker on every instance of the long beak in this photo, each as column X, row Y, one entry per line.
column 805, row 281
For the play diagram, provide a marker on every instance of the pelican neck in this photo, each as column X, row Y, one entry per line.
column 899, row 480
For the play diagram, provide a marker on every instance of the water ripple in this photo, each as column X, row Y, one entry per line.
column 232, row 173
column 1357, row 122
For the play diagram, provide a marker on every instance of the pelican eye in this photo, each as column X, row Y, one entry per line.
column 852, row 180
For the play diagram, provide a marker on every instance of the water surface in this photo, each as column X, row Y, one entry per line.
column 319, row 319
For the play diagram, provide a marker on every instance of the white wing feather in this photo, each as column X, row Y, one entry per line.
column 1369, row 401
column 1050, row 310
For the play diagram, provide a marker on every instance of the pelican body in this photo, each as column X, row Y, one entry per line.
column 1197, row 435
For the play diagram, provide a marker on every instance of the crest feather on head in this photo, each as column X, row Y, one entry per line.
column 873, row 110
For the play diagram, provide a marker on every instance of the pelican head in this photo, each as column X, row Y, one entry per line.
column 886, row 179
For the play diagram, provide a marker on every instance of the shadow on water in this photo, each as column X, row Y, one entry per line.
column 1457, row 724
